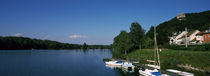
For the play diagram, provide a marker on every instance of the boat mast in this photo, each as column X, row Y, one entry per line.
column 155, row 45
column 157, row 62
column 186, row 42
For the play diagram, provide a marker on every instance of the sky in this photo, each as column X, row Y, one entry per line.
column 89, row 21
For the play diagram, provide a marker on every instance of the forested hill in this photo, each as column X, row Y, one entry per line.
column 193, row 21
column 11, row 42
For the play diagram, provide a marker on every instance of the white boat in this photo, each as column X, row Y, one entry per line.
column 148, row 72
column 114, row 63
column 129, row 67
column 181, row 73
column 153, row 66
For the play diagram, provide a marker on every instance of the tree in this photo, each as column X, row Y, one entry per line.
column 150, row 33
column 123, row 42
column 137, row 34
column 84, row 46
column 147, row 42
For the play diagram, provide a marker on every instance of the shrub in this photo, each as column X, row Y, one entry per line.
column 207, row 46
column 204, row 47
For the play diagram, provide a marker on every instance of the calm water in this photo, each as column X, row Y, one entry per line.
column 55, row 63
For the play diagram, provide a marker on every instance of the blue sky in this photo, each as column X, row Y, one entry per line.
column 90, row 21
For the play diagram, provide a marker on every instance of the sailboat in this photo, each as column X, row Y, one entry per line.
column 156, row 61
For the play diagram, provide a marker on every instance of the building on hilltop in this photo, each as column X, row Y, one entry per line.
column 181, row 16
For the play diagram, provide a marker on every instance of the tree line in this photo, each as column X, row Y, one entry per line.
column 126, row 42
column 12, row 43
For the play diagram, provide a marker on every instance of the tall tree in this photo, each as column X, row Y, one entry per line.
column 137, row 34
column 123, row 42
column 150, row 33
column 84, row 46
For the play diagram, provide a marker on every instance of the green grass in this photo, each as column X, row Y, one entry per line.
column 170, row 59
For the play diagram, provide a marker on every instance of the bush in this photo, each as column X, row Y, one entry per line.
column 204, row 47
column 207, row 46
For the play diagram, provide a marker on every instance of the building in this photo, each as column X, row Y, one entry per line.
column 181, row 16
column 206, row 36
column 175, row 39
column 199, row 38
column 193, row 37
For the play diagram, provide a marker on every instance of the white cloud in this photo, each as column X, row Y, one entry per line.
column 77, row 36
column 46, row 37
column 18, row 34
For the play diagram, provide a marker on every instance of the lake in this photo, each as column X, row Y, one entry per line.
column 55, row 63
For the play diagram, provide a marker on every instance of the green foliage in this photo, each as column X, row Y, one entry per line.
column 137, row 34
column 126, row 42
column 194, row 21
column 170, row 59
column 150, row 33
column 207, row 46
column 84, row 46
column 123, row 43
column 203, row 47
column 147, row 42
column 27, row 43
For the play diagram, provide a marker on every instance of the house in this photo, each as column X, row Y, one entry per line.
column 181, row 16
column 176, row 38
column 199, row 37
column 193, row 37
column 206, row 36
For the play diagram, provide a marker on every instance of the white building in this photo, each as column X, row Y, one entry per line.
column 181, row 16
column 193, row 37
column 176, row 38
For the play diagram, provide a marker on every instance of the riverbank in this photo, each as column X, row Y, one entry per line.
column 197, row 62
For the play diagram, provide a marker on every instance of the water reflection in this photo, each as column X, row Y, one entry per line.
column 113, row 66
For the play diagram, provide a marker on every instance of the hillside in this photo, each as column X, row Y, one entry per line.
column 28, row 43
column 13, row 43
column 193, row 21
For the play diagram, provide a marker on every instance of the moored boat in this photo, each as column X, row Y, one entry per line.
column 149, row 72
column 114, row 63
column 129, row 67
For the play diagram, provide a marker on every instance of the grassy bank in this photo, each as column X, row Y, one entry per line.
column 172, row 58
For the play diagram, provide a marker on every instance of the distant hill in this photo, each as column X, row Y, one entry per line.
column 11, row 42
column 194, row 21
